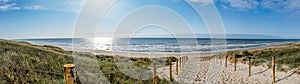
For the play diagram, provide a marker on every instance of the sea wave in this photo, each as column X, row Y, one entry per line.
column 159, row 45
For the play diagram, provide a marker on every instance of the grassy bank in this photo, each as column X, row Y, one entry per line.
column 22, row 62
column 287, row 56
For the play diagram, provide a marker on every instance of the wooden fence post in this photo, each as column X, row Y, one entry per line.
column 273, row 69
column 234, row 63
column 154, row 74
column 170, row 71
column 176, row 66
column 226, row 61
column 180, row 63
column 249, row 67
column 220, row 60
column 69, row 75
column 184, row 59
column 187, row 58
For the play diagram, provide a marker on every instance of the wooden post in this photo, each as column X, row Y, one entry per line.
column 226, row 61
column 170, row 71
column 273, row 69
column 180, row 62
column 220, row 60
column 183, row 61
column 176, row 66
column 187, row 58
column 249, row 74
column 234, row 63
column 69, row 75
column 154, row 74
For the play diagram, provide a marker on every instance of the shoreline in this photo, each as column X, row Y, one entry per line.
column 136, row 54
column 158, row 55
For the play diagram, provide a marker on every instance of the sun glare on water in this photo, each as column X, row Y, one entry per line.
column 103, row 43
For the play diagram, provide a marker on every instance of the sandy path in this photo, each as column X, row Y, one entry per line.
column 259, row 75
column 210, row 72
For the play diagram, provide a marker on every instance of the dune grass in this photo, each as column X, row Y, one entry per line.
column 287, row 56
column 22, row 62
column 115, row 76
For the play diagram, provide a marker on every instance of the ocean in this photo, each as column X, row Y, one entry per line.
column 159, row 45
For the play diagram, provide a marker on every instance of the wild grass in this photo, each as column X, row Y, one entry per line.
column 115, row 76
column 287, row 56
column 22, row 62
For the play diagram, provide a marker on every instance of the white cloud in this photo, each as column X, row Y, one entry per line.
column 11, row 6
column 4, row 1
column 53, row 5
column 201, row 1
column 282, row 6
column 273, row 5
column 73, row 2
column 293, row 8
column 35, row 7
column 225, row 7
column 72, row 6
column 243, row 5
column 293, row 4
column 4, row 5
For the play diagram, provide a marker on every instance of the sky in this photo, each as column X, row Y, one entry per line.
column 57, row 18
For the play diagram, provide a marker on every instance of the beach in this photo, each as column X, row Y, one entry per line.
column 45, row 62
column 199, row 70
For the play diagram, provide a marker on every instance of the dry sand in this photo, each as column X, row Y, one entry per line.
column 196, row 71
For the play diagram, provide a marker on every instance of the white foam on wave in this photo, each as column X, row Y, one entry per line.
column 156, row 46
